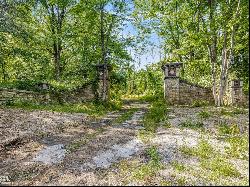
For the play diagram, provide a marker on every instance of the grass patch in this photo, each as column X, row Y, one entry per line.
column 144, row 171
column 91, row 108
column 178, row 166
column 167, row 125
column 156, row 114
column 239, row 111
column 192, row 125
column 220, row 167
column 231, row 111
column 153, row 154
column 165, row 183
column 204, row 150
column 187, row 150
column 214, row 163
column 204, row 114
column 145, row 136
column 239, row 147
column 134, row 170
column 225, row 112
column 238, row 143
column 226, row 130
column 199, row 103
column 182, row 181
column 125, row 116
column 151, row 168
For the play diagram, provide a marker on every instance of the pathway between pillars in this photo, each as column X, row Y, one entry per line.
column 68, row 149
column 73, row 147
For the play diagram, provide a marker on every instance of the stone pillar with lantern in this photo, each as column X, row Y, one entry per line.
column 172, row 82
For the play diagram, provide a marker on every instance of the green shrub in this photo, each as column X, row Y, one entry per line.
column 225, row 112
column 153, row 154
column 204, row 150
column 238, row 111
column 192, row 125
column 225, row 129
column 145, row 135
column 178, row 166
column 151, row 168
column 204, row 114
column 9, row 102
column 239, row 147
column 157, row 113
column 220, row 167
column 91, row 108
column 199, row 103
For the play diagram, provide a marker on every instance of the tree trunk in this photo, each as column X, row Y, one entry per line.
column 213, row 51
column 3, row 70
column 56, row 61
column 56, row 21
column 104, row 76
column 226, row 62
column 102, row 35
column 224, row 71
column 213, row 60
column 105, row 90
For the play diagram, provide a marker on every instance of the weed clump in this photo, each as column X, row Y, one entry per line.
column 156, row 114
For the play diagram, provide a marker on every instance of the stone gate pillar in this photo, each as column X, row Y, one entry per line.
column 236, row 92
column 172, row 82
column 103, row 81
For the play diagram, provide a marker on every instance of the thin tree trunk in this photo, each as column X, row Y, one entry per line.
column 104, row 94
column 56, row 19
column 213, row 51
column 213, row 59
column 224, row 70
column 53, row 24
column 213, row 63
column 3, row 70
column 56, row 61
column 102, row 34
column 145, row 84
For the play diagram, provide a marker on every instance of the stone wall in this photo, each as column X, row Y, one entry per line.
column 179, row 91
column 10, row 95
column 190, row 92
column 76, row 96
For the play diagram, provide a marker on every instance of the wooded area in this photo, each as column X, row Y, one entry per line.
column 60, row 42
column 124, row 92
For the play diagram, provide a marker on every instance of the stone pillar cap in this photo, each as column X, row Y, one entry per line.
column 102, row 66
column 172, row 64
